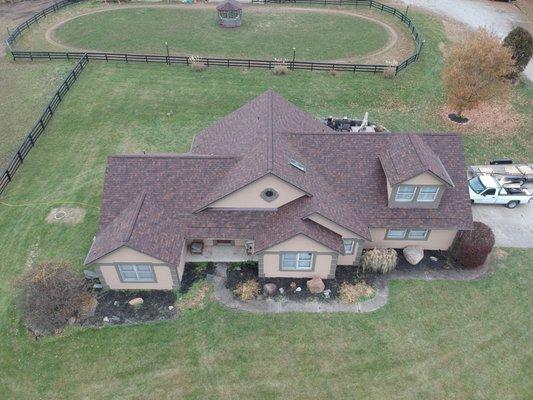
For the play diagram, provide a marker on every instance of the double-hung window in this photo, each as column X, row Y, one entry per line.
column 396, row 233
column 349, row 246
column 410, row 234
column 417, row 234
column 405, row 193
column 136, row 272
column 427, row 193
column 297, row 261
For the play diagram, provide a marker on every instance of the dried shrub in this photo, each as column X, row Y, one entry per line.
column 248, row 290
column 520, row 42
column 352, row 293
column 471, row 248
column 475, row 71
column 195, row 298
column 389, row 72
column 379, row 260
column 49, row 294
column 196, row 64
column 280, row 67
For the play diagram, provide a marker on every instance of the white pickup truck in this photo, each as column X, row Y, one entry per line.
column 485, row 189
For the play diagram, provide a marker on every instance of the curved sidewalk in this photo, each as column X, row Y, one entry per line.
column 269, row 305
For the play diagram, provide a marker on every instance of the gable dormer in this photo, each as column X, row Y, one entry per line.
column 415, row 174
column 266, row 193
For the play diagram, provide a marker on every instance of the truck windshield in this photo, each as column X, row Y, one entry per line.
column 476, row 185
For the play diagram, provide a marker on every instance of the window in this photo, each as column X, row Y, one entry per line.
column 297, row 261
column 349, row 246
column 269, row 194
column 489, row 192
column 417, row 234
column 427, row 193
column 405, row 193
column 396, row 233
column 409, row 234
column 136, row 272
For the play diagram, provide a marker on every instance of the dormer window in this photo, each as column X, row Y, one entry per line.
column 405, row 193
column 269, row 194
column 297, row 165
column 427, row 193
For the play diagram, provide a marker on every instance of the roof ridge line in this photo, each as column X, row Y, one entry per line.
column 270, row 133
column 133, row 221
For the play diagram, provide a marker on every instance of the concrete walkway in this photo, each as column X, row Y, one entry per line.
column 270, row 305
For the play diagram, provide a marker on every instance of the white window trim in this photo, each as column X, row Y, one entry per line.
column 298, row 254
column 426, row 234
column 405, row 200
column 138, row 278
column 351, row 243
column 407, row 234
column 387, row 237
column 434, row 194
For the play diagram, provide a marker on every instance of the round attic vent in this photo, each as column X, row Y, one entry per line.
column 269, row 194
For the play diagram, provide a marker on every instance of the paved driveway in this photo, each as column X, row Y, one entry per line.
column 498, row 17
column 512, row 228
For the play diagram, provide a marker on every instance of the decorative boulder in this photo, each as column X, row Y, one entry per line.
column 270, row 289
column 315, row 285
column 137, row 301
column 413, row 254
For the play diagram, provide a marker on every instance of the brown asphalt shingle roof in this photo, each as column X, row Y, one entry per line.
column 151, row 203
column 229, row 5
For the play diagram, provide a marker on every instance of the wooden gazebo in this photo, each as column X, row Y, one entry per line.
column 230, row 14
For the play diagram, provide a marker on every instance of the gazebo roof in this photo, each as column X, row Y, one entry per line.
column 229, row 5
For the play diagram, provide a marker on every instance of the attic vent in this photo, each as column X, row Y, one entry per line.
column 297, row 164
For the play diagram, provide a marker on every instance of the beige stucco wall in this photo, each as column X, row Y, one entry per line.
column 250, row 195
column 423, row 179
column 322, row 254
column 345, row 233
column 127, row 255
column 438, row 239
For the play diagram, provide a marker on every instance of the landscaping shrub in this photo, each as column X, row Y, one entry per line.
column 379, row 260
column 247, row 290
column 520, row 42
column 196, row 64
column 389, row 72
column 352, row 293
column 239, row 265
column 50, row 294
column 280, row 67
column 471, row 248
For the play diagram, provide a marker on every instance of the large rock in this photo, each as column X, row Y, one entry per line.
column 315, row 285
column 137, row 301
column 413, row 254
column 270, row 289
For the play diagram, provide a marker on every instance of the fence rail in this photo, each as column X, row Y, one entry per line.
column 36, row 131
column 15, row 33
column 417, row 37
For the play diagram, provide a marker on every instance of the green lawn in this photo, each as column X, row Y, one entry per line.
column 265, row 34
column 438, row 340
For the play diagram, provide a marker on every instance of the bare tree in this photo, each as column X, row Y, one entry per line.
column 475, row 71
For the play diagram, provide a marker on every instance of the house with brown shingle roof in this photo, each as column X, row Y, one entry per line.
column 273, row 184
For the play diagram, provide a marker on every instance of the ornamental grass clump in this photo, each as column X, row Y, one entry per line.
column 196, row 64
column 248, row 290
column 380, row 261
column 351, row 293
column 280, row 67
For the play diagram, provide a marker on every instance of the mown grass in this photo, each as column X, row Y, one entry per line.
column 433, row 340
column 264, row 34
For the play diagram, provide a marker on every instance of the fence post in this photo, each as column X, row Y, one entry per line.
column 8, row 175
column 20, row 157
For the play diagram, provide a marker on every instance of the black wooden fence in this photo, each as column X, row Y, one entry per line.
column 15, row 33
column 31, row 138
column 417, row 37
column 208, row 61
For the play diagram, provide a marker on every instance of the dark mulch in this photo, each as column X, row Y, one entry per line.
column 194, row 272
column 444, row 262
column 113, row 304
column 240, row 274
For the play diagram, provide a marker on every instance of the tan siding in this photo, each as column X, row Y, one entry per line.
column 423, row 179
column 181, row 266
column 439, row 239
column 162, row 273
column 250, row 195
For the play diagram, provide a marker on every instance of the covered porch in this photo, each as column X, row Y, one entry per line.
column 219, row 250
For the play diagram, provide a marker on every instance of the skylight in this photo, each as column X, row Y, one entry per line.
column 297, row 164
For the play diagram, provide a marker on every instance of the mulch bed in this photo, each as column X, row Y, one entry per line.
column 195, row 272
column 444, row 262
column 344, row 274
column 113, row 304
